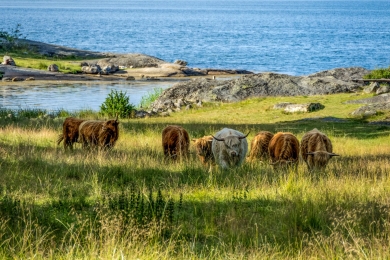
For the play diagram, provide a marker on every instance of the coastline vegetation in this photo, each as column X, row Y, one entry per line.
column 129, row 203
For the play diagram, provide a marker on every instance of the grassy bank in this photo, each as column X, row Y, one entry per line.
column 131, row 204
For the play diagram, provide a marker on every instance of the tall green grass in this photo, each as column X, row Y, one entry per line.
column 131, row 203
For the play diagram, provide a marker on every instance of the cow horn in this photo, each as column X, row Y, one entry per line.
column 242, row 137
column 333, row 154
column 311, row 153
column 218, row 139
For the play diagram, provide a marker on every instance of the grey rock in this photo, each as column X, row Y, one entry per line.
column 371, row 109
column 93, row 69
column 383, row 89
column 181, row 62
column 7, row 79
column 105, row 70
column 141, row 114
column 134, row 60
column 107, row 66
column 372, row 88
column 17, row 79
column 52, row 68
column 309, row 107
column 130, row 78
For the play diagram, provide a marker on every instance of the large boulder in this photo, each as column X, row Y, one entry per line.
column 372, row 88
column 304, row 108
column 92, row 69
column 53, row 68
column 371, row 109
column 258, row 85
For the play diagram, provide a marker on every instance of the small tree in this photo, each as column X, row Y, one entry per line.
column 117, row 104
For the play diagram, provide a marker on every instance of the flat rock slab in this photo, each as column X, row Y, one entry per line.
column 305, row 108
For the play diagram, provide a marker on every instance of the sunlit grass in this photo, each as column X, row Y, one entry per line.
column 55, row 204
column 43, row 63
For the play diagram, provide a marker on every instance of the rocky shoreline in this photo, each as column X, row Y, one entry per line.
column 200, row 85
column 101, row 66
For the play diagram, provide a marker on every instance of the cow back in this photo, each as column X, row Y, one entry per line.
column 259, row 145
column 89, row 131
column 284, row 147
column 175, row 142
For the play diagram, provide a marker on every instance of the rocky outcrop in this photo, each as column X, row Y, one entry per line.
column 52, row 50
column 258, row 85
column 137, row 64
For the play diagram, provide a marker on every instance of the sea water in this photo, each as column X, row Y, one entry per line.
column 292, row 37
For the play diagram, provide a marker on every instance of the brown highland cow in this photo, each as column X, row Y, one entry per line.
column 175, row 142
column 102, row 134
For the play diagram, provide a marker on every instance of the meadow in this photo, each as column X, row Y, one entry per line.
column 131, row 203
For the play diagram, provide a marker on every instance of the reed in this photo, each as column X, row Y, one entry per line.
column 130, row 203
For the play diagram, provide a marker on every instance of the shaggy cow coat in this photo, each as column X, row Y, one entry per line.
column 229, row 148
column 259, row 146
column 283, row 149
column 175, row 142
column 316, row 150
column 203, row 150
column 102, row 134
column 70, row 132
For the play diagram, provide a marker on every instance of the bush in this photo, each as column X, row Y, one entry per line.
column 117, row 104
column 378, row 74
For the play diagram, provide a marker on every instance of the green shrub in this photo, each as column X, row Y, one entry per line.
column 117, row 104
column 150, row 97
column 379, row 74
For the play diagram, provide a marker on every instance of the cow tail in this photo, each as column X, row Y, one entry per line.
column 60, row 139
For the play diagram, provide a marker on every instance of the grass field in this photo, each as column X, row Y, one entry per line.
column 129, row 203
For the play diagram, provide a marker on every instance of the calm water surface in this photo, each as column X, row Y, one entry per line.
column 71, row 97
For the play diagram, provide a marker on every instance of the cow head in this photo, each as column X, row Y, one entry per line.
column 203, row 145
column 320, row 159
column 232, row 144
column 111, row 125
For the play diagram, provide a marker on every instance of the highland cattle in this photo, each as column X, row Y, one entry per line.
column 175, row 142
column 101, row 134
column 229, row 148
column 316, row 150
column 283, row 150
column 259, row 146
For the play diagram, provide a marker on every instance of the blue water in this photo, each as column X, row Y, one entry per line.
column 293, row 37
